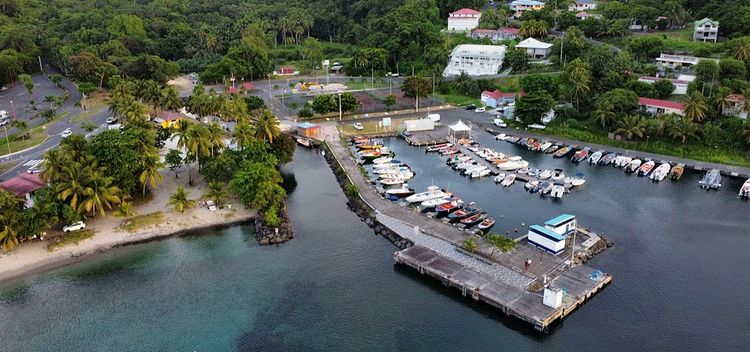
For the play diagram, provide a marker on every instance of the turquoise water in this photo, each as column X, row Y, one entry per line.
column 679, row 266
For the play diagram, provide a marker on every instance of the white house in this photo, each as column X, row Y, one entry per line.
column 546, row 239
column 562, row 225
column 706, row 30
column 582, row 5
column 475, row 60
column 535, row 49
column 519, row 6
column 678, row 62
column 680, row 86
column 736, row 106
column 495, row 35
column 463, row 20
column 658, row 106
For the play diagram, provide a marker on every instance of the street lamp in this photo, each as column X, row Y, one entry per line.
column 13, row 107
column 7, row 141
column 341, row 112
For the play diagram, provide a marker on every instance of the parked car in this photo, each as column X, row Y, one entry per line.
column 471, row 107
column 211, row 205
column 499, row 123
column 75, row 227
column 35, row 169
column 480, row 109
column 4, row 122
column 66, row 133
column 434, row 117
column 358, row 126
column 111, row 120
column 3, row 114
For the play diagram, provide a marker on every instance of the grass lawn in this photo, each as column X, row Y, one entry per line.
column 36, row 135
column 142, row 221
column 6, row 166
column 458, row 99
column 678, row 40
column 94, row 103
column 71, row 238
column 358, row 84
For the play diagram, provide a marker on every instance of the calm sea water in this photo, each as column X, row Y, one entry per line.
column 679, row 262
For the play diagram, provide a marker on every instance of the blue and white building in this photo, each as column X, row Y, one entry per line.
column 562, row 225
column 546, row 239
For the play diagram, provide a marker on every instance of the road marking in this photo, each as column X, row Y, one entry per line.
column 33, row 162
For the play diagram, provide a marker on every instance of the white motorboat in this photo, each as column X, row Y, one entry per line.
column 622, row 161
column 558, row 175
column 545, row 146
column 712, row 180
column 633, row 165
column 433, row 192
column 511, row 165
column 391, row 170
column 465, row 165
column 557, row 191
column 471, row 169
column 545, row 174
column 660, row 172
column 402, row 191
column 594, row 158
column 484, row 171
column 435, row 202
column 399, row 174
column 501, row 137
column 646, row 168
column 524, row 171
column 382, row 160
column 499, row 178
column 508, row 181
column 392, row 181
column 393, row 163
column 531, row 184
column 575, row 182
column 745, row 189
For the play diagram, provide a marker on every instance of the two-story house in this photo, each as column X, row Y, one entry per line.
column 582, row 5
column 706, row 30
column 463, row 20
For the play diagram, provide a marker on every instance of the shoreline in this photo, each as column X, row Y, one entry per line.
column 33, row 258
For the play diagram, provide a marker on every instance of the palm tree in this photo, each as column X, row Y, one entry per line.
column 216, row 192
column 53, row 165
column 8, row 238
column 267, row 126
column 193, row 138
column 746, row 132
column 721, row 99
column 242, row 135
column 99, row 193
column 215, row 136
column 676, row 14
column 579, row 76
column 605, row 113
column 125, row 210
column 150, row 174
column 740, row 48
column 71, row 187
column 684, row 129
column 179, row 200
column 169, row 98
column 131, row 109
column 150, row 94
column 631, row 127
column 75, row 147
column 696, row 107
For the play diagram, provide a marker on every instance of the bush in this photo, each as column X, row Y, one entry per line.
column 351, row 190
column 271, row 217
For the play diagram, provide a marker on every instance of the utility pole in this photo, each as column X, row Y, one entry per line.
column 341, row 112
column 372, row 77
column 13, row 107
column 7, row 141
column 41, row 68
column 573, row 248
column 562, row 45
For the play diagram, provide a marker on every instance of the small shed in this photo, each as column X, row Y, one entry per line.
column 24, row 186
column 546, row 239
column 459, row 129
column 308, row 129
column 562, row 225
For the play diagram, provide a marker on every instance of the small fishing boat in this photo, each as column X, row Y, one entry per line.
column 446, row 208
column 437, row 147
column 560, row 153
column 552, row 149
column 677, row 172
column 580, row 155
column 660, row 172
column 534, row 172
column 545, row 146
column 499, row 178
column 545, row 187
column 473, row 220
column 480, row 173
column 400, row 192
column 508, row 181
column 449, row 151
column 594, row 158
column 578, row 180
column 558, row 175
column 304, row 142
column 462, row 213
column 369, row 146
column 557, row 191
column 712, row 180
column 622, row 161
column 646, row 168
column 383, row 160
column 393, row 169
column 513, row 140
column 472, row 168
column 513, row 165
column 501, row 137
column 392, row 181
column 393, row 163
column 531, row 185
column 486, row 224
column 633, row 165
column 607, row 159
column 433, row 192
column 523, row 171
column 744, row 192
column 432, row 203
column 545, row 174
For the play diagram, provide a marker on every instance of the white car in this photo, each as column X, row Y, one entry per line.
column 3, row 114
column 111, row 120
column 211, row 205
column 66, row 133
column 358, row 126
column 499, row 123
column 35, row 169
column 4, row 122
column 74, row 227
column 480, row 109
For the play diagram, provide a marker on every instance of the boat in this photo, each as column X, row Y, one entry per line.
column 403, row 191
column 557, row 191
column 446, row 208
column 523, row 171
column 462, row 213
column 513, row 165
column 470, row 221
column 508, row 181
column 406, row 175
column 607, row 159
column 646, row 168
column 435, row 202
column 534, row 172
column 472, row 168
column 660, row 172
column 433, row 192
column 677, row 172
column 501, row 137
column 480, row 173
column 464, row 165
column 512, row 139
column 391, row 170
column 304, row 142
column 545, row 146
column 580, row 155
column 531, row 185
column 545, row 174
column 622, row 161
column 633, row 165
column 392, row 181
column 499, row 178
column 383, row 160
column 712, row 180
column 545, row 187
column 393, row 163
column 562, row 152
column 594, row 158
column 744, row 192
column 437, row 147
column 558, row 175
column 486, row 224
column 368, row 146
column 552, row 149
column 578, row 180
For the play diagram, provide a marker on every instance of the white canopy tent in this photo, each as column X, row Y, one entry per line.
column 459, row 129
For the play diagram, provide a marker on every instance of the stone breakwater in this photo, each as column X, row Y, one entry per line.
column 274, row 234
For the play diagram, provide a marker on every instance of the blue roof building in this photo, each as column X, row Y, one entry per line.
column 563, row 224
column 546, row 239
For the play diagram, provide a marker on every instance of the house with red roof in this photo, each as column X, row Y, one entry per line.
column 463, row 20
column 507, row 33
column 736, row 106
column 496, row 97
column 657, row 106
column 495, row 35
column 24, row 186
column 286, row 71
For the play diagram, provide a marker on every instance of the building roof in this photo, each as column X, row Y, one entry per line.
column 527, row 2
column 460, row 126
column 480, row 30
column 560, row 219
column 172, row 116
column 585, row 2
column 509, row 30
column 655, row 79
column 531, row 43
column 494, row 94
column 23, row 184
column 583, row 14
column 667, row 104
column 479, row 49
column 706, row 20
column 464, row 13
column 546, row 232
column 735, row 98
column 306, row 125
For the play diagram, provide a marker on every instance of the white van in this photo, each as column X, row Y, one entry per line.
column 434, row 117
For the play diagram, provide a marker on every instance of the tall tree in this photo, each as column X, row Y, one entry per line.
column 180, row 201
column 696, row 108
column 266, row 126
